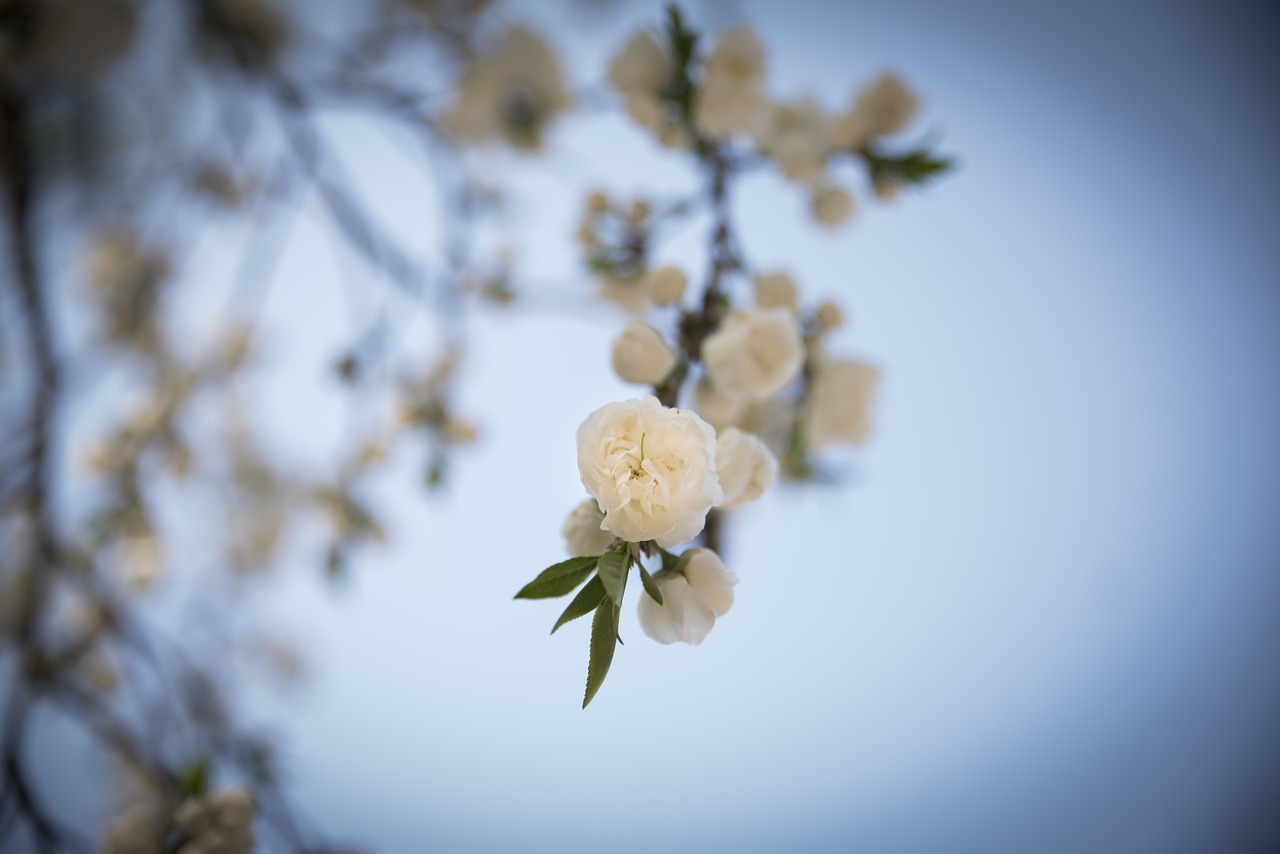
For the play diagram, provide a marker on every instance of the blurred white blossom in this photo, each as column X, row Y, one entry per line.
column 755, row 353
column 796, row 138
column 746, row 467
column 666, row 285
column 883, row 107
column 731, row 98
column 652, row 470
column 510, row 93
column 718, row 410
column 839, row 403
column 776, row 290
column 640, row 355
column 831, row 205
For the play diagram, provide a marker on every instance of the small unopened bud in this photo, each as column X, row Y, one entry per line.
column 831, row 206
column 829, row 316
column 641, row 356
column 666, row 285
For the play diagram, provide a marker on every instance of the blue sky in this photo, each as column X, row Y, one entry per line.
column 1040, row 615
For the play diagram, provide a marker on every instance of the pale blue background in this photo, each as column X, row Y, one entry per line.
column 1041, row 616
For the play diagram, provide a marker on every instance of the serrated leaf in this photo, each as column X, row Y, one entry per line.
column 650, row 586
column 604, row 639
column 613, row 573
column 559, row 579
column 587, row 600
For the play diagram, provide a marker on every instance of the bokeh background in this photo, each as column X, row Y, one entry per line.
column 1039, row 613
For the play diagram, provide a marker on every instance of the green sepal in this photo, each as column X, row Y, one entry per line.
column 559, row 579
column 587, row 600
column 604, row 639
column 649, row 586
column 614, row 565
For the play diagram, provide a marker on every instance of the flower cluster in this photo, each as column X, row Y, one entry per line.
column 747, row 356
column 653, row 473
column 721, row 100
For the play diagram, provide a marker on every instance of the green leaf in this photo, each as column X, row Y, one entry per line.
column 559, row 579
column 194, row 776
column 914, row 167
column 584, row 603
column 604, row 639
column 649, row 586
column 613, row 572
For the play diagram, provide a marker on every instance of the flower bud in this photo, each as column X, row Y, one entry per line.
column 776, row 290
column 666, row 285
column 829, row 316
column 831, row 206
column 641, row 356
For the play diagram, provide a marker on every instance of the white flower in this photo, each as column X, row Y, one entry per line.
column 829, row 316
column 884, row 106
column 731, row 98
column 831, row 206
column 690, row 601
column 640, row 66
column 666, row 285
column 745, row 465
column 641, row 356
column 839, row 403
column 626, row 292
column 652, row 470
column 137, row 831
column 755, row 353
column 219, row 823
column 510, row 92
column 718, row 410
column 796, row 138
column 776, row 290
column 584, row 534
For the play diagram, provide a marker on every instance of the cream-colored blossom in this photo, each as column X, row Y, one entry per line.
column 831, row 206
column 718, row 410
column 796, row 138
column 626, row 292
column 221, row 823
column 829, row 316
column 640, row 67
column 138, row 830
column 746, row 467
column 776, row 290
column 731, row 98
column 691, row 600
column 584, row 532
column 666, row 285
column 142, row 558
column 839, row 403
column 640, row 355
column 754, row 353
column 510, row 92
column 651, row 469
column 883, row 107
